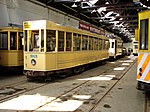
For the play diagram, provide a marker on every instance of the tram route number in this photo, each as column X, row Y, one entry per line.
column 33, row 56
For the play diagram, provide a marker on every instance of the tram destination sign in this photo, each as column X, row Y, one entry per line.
column 90, row 28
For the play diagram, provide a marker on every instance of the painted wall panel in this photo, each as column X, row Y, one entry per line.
column 17, row 11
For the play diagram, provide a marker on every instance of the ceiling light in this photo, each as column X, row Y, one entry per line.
column 74, row 5
column 107, row 3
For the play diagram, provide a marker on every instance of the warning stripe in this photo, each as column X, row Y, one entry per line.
column 143, row 62
column 147, row 78
column 139, row 58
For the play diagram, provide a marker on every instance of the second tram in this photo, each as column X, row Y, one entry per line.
column 11, row 49
column 50, row 48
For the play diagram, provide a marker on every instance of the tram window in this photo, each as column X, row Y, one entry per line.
column 112, row 45
column 25, row 40
column 95, row 44
column 106, row 44
column 144, row 34
column 68, row 41
column 77, row 41
column 3, row 40
column 136, row 46
column 91, row 41
column 51, row 40
column 13, row 40
column 84, row 42
column 42, row 40
column 34, row 40
column 20, row 41
column 100, row 44
column 60, row 41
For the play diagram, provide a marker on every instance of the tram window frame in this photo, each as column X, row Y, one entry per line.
column 95, row 43
column 4, row 41
column 61, row 40
column 13, row 40
column 34, row 40
column 144, row 34
column 107, row 44
column 68, row 41
column 42, row 40
column 91, row 41
column 77, row 42
column 50, row 40
column 20, row 36
column 25, row 40
column 84, row 42
column 100, row 44
column 112, row 44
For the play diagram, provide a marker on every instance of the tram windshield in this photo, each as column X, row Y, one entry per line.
column 34, row 40
column 144, row 34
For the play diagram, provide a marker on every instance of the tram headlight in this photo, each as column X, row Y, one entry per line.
column 33, row 62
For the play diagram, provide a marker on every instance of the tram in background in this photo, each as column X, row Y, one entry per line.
column 135, row 43
column 51, row 48
column 143, row 66
column 135, row 48
column 116, row 47
column 11, row 49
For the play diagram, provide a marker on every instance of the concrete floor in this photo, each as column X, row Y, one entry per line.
column 124, row 97
column 74, row 94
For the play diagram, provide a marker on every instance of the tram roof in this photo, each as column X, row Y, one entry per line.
column 116, row 16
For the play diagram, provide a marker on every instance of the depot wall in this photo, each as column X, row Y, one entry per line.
column 17, row 11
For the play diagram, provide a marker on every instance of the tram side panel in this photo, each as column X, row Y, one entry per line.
column 143, row 68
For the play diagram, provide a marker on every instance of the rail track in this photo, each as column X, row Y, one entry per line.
column 40, row 85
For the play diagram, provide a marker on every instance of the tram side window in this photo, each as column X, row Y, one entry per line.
column 103, row 44
column 13, row 40
column 91, row 43
column 60, row 41
column 95, row 44
column 144, row 34
column 112, row 44
column 20, row 40
column 51, row 40
column 84, row 42
column 77, row 42
column 3, row 40
column 42, row 40
column 106, row 44
column 68, row 41
column 25, row 40
column 100, row 44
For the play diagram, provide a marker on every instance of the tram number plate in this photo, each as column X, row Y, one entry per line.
column 33, row 56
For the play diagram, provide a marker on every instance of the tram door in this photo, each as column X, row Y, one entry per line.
column 115, row 47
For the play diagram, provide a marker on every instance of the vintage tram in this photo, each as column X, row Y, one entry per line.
column 52, row 48
column 116, row 47
column 11, row 48
column 143, row 65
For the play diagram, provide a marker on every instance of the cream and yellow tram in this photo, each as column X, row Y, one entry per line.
column 143, row 65
column 11, row 49
column 50, row 48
